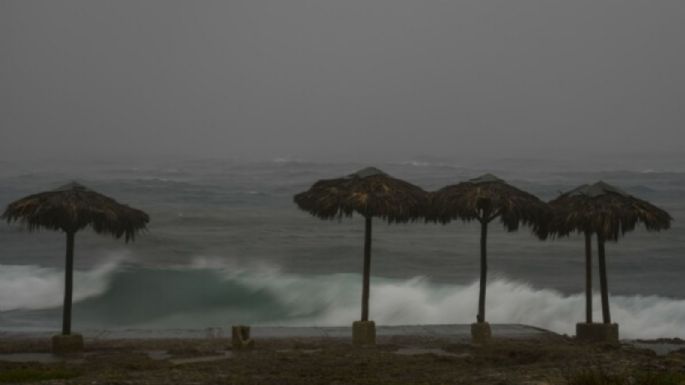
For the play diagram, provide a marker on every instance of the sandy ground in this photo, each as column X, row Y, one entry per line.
column 396, row 359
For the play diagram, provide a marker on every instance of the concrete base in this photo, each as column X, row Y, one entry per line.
column 597, row 332
column 363, row 333
column 241, row 338
column 480, row 332
column 67, row 344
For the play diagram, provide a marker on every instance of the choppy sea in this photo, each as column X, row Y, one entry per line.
column 226, row 245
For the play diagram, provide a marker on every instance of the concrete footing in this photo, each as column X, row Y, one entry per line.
column 480, row 332
column 67, row 344
column 240, row 338
column 597, row 332
column 363, row 333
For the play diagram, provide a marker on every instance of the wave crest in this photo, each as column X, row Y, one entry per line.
column 27, row 287
column 209, row 293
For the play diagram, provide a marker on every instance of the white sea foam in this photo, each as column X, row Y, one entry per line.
column 29, row 287
column 265, row 295
column 334, row 300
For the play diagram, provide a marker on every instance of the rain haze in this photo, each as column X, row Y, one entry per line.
column 222, row 131
column 341, row 80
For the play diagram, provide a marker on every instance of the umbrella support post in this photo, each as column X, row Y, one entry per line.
column 65, row 344
column 363, row 333
column 480, row 332
column 240, row 338
column 597, row 332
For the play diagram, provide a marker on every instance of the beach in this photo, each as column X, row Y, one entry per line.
column 228, row 247
column 342, row 192
column 403, row 355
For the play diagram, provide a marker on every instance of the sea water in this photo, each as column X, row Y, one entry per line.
column 227, row 245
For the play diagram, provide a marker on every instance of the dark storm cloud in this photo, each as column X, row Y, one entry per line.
column 354, row 78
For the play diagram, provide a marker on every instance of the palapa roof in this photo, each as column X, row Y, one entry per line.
column 369, row 192
column 486, row 198
column 73, row 207
column 595, row 190
column 605, row 210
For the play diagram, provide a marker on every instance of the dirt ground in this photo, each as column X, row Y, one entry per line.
column 394, row 360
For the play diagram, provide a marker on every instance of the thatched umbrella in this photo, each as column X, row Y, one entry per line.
column 485, row 199
column 71, row 208
column 608, row 213
column 370, row 193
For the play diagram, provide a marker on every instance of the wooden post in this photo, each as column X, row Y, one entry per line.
column 588, row 277
column 606, row 315
column 483, row 268
column 367, row 270
column 68, row 284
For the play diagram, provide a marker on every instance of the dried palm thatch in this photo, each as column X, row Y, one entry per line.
column 607, row 212
column 485, row 199
column 370, row 193
column 71, row 208
column 604, row 210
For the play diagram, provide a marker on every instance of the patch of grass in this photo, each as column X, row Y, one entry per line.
column 595, row 376
column 18, row 375
column 599, row 376
column 652, row 378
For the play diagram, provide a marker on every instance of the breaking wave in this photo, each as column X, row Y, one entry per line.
column 35, row 287
column 212, row 293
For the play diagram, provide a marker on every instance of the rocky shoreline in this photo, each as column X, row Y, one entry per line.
column 545, row 358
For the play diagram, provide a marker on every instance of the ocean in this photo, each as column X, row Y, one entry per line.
column 227, row 245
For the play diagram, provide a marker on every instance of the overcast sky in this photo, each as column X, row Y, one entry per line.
column 344, row 79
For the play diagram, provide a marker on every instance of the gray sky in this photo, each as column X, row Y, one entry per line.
column 344, row 79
